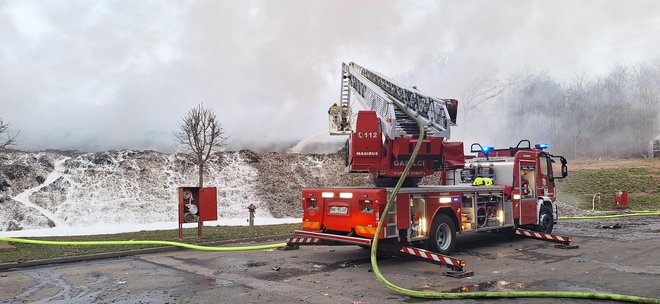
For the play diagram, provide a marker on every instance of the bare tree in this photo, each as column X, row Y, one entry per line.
column 200, row 132
column 646, row 89
column 7, row 138
column 481, row 90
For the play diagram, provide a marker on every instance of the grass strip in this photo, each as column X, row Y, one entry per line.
column 19, row 252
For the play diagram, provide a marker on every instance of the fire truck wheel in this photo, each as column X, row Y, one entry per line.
column 546, row 222
column 443, row 235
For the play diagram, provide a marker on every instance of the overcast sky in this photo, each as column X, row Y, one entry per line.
column 97, row 75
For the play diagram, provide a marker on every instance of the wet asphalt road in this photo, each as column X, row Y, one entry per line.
column 624, row 260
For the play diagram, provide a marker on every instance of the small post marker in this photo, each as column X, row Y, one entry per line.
column 252, row 208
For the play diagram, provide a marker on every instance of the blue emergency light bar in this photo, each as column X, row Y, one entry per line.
column 542, row 146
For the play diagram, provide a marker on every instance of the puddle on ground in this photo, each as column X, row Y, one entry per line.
column 499, row 285
column 484, row 286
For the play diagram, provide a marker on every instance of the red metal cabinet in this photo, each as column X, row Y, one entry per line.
column 208, row 201
column 620, row 198
column 205, row 201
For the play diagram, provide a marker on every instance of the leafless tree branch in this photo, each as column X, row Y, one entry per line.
column 200, row 132
column 7, row 138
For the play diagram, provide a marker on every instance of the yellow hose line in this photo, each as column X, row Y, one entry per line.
column 590, row 217
column 132, row 242
column 474, row 295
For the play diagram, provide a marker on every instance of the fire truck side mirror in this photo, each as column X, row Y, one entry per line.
column 475, row 147
column 564, row 167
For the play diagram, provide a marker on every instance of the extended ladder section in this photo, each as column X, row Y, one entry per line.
column 381, row 95
column 340, row 114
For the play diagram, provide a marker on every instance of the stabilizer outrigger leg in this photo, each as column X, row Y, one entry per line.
column 564, row 241
column 455, row 265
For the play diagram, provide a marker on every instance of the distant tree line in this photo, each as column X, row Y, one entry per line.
column 616, row 115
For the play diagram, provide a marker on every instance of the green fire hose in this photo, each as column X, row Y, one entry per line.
column 132, row 242
column 590, row 217
column 474, row 295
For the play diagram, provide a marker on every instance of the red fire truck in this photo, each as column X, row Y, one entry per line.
column 492, row 190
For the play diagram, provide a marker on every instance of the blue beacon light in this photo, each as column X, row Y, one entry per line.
column 542, row 146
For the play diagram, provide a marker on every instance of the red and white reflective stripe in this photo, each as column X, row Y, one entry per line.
column 333, row 237
column 432, row 256
column 303, row 240
column 544, row 236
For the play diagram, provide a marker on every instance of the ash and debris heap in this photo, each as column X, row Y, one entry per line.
column 131, row 186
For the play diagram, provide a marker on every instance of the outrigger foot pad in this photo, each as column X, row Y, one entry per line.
column 567, row 246
column 289, row 247
column 458, row 274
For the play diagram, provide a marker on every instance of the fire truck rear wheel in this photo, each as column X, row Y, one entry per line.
column 546, row 222
column 443, row 235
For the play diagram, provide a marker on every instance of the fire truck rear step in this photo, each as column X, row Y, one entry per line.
column 326, row 239
column 565, row 241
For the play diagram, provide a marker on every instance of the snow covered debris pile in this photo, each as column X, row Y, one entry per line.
column 45, row 189
column 281, row 177
column 20, row 171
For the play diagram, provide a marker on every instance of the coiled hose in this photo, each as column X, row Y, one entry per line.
column 473, row 295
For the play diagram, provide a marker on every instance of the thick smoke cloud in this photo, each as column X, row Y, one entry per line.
column 94, row 75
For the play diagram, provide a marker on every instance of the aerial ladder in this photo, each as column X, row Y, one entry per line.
column 382, row 137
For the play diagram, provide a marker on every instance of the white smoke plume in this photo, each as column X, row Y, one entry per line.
column 98, row 75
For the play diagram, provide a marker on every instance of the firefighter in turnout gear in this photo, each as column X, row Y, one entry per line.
column 333, row 109
column 333, row 113
column 344, row 116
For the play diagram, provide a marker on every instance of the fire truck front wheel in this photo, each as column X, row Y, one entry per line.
column 443, row 235
column 546, row 222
